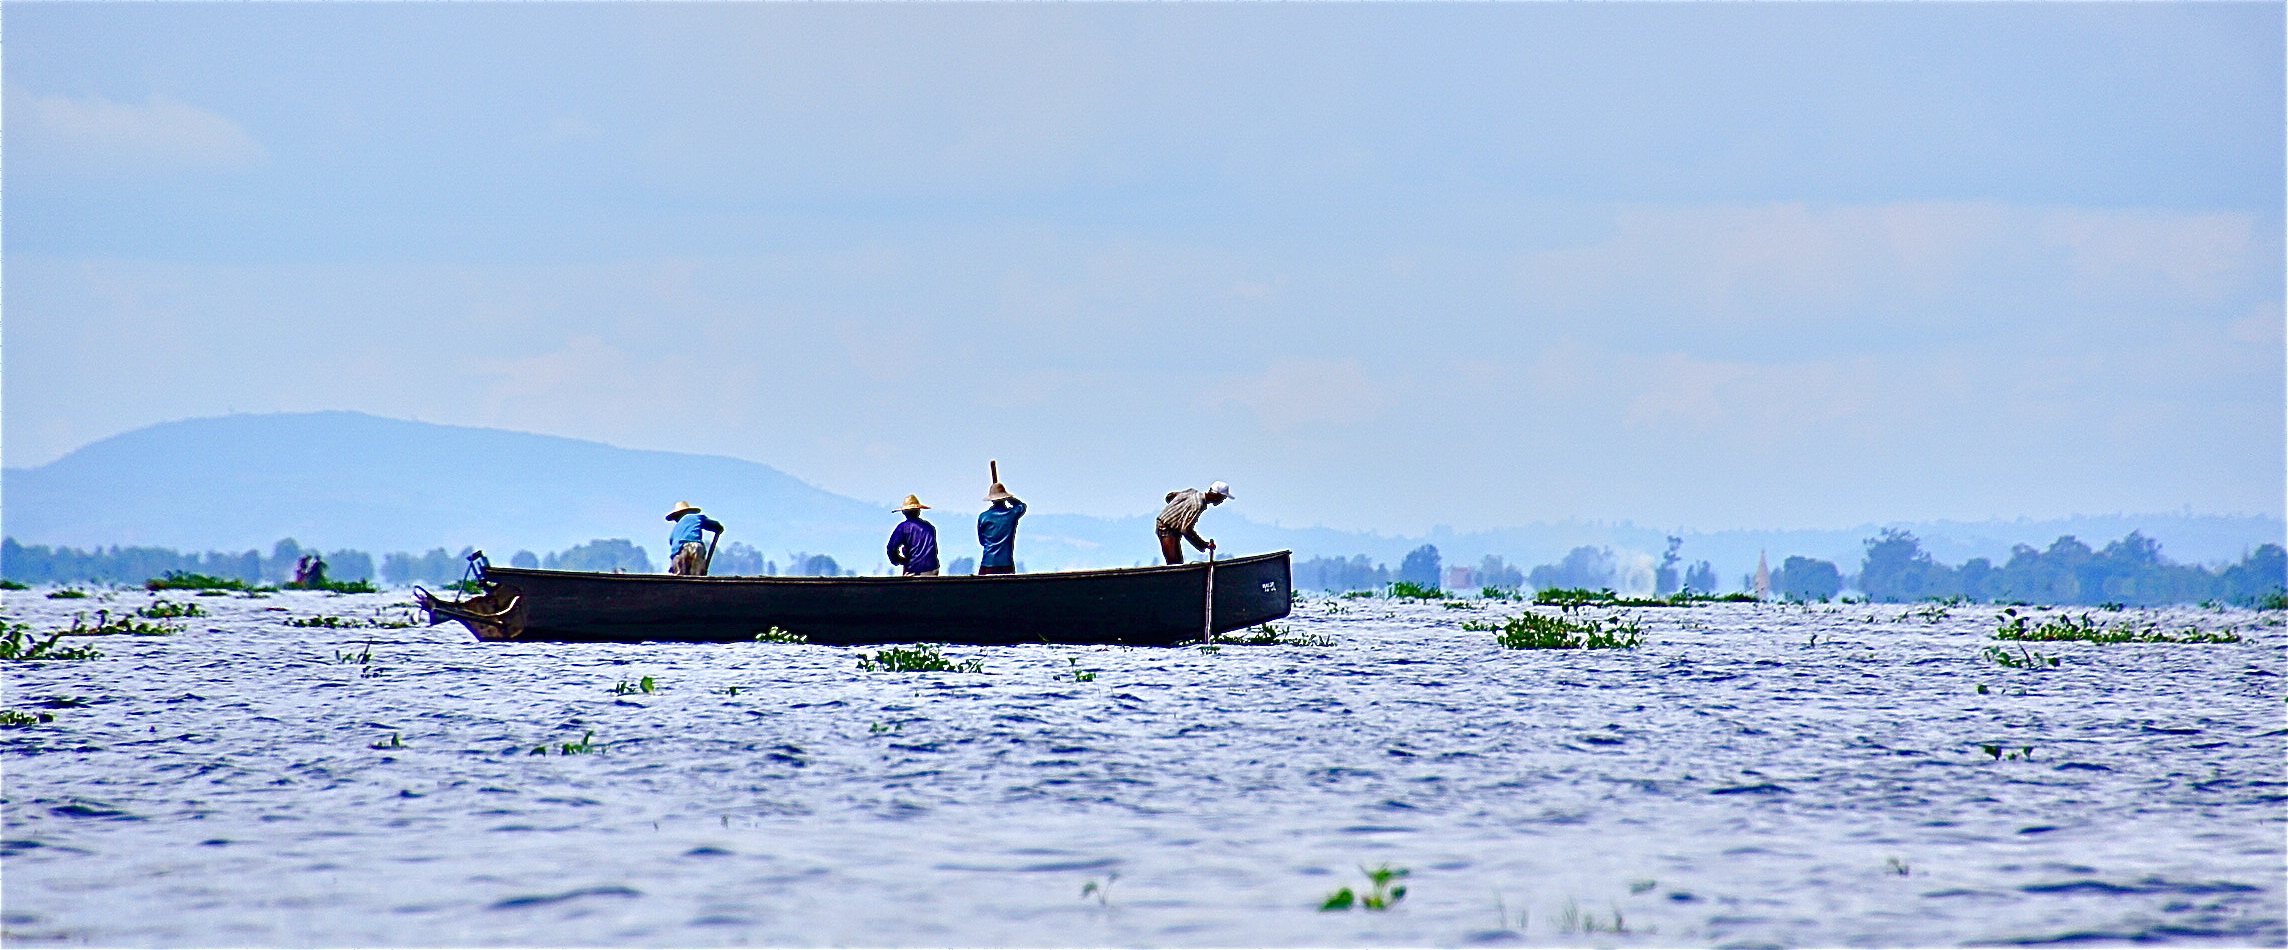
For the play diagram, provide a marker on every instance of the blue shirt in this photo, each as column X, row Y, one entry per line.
column 997, row 531
column 687, row 528
column 913, row 543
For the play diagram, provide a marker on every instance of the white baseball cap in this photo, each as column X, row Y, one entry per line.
column 1221, row 488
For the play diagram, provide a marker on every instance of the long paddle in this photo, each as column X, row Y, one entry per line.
column 710, row 559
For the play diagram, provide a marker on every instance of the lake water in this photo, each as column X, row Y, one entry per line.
column 1752, row 776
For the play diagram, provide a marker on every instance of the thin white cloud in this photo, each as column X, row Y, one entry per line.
column 1292, row 393
column 97, row 134
column 1915, row 265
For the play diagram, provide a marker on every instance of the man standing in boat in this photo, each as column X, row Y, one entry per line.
column 913, row 543
column 997, row 531
column 685, row 555
column 1179, row 522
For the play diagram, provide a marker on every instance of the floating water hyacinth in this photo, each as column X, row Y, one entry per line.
column 1541, row 632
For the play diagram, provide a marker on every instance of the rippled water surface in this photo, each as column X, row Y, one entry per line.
column 1753, row 775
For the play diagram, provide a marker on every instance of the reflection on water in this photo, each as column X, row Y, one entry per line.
column 1736, row 782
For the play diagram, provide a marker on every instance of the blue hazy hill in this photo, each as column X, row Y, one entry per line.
column 348, row 480
column 344, row 479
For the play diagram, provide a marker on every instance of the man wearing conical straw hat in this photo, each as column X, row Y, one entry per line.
column 1179, row 522
column 913, row 543
column 997, row 528
column 685, row 555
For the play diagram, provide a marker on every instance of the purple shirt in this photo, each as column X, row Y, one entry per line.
column 913, row 543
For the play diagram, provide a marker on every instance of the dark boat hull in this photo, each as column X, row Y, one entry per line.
column 1141, row 606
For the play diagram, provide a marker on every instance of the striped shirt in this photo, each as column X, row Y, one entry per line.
column 1183, row 512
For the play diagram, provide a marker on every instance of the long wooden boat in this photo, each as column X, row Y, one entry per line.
column 1146, row 606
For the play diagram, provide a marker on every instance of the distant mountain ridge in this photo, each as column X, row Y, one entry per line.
column 350, row 480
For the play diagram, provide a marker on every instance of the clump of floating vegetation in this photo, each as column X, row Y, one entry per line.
column 1541, row 632
column 1275, row 635
column 776, row 635
column 11, row 718
column 645, row 685
column 920, row 658
column 583, row 747
column 2024, row 752
column 164, row 609
column 68, row 593
column 1383, row 891
column 1356, row 594
column 6, row 584
column 1499, row 593
column 2013, row 627
column 105, row 626
column 359, row 586
column 1571, row 919
column 330, row 623
column 185, row 580
column 1572, row 597
column 2024, row 659
column 17, row 642
column 1412, row 591
column 2277, row 600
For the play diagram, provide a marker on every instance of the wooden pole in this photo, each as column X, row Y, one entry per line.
column 995, row 468
column 1207, row 630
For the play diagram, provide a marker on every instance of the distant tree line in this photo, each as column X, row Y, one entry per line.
column 40, row 564
column 2130, row 572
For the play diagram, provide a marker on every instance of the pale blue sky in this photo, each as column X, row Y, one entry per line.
column 1381, row 266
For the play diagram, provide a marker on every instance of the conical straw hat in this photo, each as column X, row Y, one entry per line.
column 913, row 502
column 996, row 493
column 681, row 508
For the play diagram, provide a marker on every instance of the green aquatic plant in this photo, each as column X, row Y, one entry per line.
column 1897, row 866
column 776, row 635
column 1275, row 635
column 2024, row 660
column 326, row 622
column 10, row 717
column 1357, row 594
column 1383, row 891
column 1101, row 890
column 6, row 584
column 105, row 626
column 2013, row 627
column 18, row 642
column 1928, row 613
column 1533, row 631
column 645, row 685
column 583, row 747
column 68, row 593
column 164, row 609
column 185, row 580
column 730, row 691
column 1412, row 591
column 393, row 743
column 2276, row 600
column 1499, row 593
column 359, row 586
column 920, row 658
column 1459, row 605
column 1570, row 597
column 1997, row 752
column 1571, row 919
